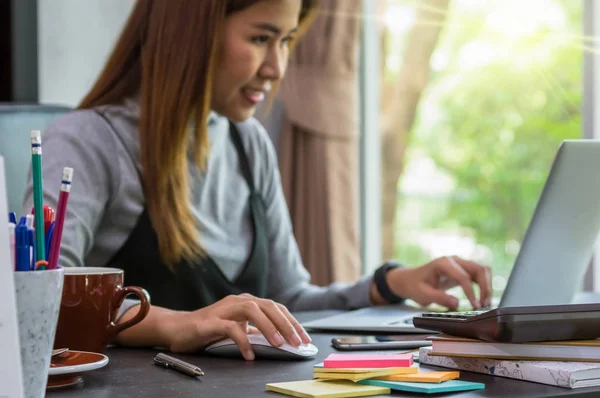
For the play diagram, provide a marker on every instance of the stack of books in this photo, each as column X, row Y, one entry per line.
column 569, row 364
column 354, row 375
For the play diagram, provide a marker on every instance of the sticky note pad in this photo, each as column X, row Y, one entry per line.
column 368, row 360
column 373, row 373
column 319, row 368
column 421, row 377
column 353, row 376
column 326, row 389
column 426, row 388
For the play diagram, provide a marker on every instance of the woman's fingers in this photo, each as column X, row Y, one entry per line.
column 273, row 320
column 482, row 276
column 299, row 329
column 438, row 296
column 252, row 330
column 282, row 322
column 238, row 334
column 250, row 310
column 452, row 269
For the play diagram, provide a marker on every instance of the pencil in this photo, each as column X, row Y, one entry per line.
column 59, row 221
column 38, row 192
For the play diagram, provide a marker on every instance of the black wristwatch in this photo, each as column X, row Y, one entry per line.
column 382, row 285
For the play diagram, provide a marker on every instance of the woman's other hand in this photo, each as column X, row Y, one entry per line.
column 428, row 283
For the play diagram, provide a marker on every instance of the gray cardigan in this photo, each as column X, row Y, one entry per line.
column 106, row 200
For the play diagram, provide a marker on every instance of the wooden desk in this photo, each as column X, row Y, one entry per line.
column 131, row 373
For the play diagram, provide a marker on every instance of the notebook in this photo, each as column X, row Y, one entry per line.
column 368, row 360
column 580, row 350
column 426, row 388
column 326, row 389
column 560, row 374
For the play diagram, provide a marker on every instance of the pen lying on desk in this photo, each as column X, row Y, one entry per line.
column 178, row 365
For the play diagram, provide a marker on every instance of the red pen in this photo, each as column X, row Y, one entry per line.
column 48, row 217
column 61, row 211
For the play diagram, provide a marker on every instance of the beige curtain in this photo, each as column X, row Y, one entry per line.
column 318, row 150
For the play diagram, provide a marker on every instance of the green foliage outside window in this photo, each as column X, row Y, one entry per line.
column 491, row 119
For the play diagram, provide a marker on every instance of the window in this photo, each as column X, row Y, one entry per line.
column 475, row 98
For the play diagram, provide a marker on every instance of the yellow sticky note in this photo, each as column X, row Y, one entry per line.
column 422, row 377
column 326, row 389
column 403, row 370
column 366, row 374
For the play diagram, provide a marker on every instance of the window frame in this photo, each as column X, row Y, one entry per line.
column 591, row 115
column 370, row 148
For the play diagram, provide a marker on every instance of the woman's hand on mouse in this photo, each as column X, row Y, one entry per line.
column 229, row 317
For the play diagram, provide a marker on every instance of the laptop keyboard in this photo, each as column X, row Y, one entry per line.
column 454, row 315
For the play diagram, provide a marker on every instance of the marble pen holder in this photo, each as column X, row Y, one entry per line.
column 38, row 296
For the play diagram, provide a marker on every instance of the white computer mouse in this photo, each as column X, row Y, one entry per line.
column 262, row 349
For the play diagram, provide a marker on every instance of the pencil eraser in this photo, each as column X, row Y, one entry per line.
column 67, row 174
column 36, row 134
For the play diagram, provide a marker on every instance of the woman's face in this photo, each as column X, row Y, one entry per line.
column 252, row 56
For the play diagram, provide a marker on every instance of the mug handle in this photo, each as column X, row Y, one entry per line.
column 114, row 329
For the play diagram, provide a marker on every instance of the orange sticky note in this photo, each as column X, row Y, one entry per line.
column 422, row 377
column 368, row 360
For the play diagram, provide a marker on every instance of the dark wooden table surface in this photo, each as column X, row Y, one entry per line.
column 131, row 373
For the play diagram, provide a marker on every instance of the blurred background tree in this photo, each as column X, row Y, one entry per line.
column 503, row 90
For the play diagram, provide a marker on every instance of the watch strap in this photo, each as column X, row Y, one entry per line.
column 381, row 282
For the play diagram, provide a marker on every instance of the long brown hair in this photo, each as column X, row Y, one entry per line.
column 165, row 55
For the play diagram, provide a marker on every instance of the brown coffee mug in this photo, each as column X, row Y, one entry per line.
column 91, row 299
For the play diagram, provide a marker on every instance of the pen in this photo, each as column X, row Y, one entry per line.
column 49, row 236
column 48, row 218
column 12, row 217
column 29, row 223
column 168, row 361
column 22, row 248
column 31, row 238
column 29, row 220
column 38, row 193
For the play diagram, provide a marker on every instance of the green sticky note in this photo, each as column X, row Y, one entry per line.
column 426, row 388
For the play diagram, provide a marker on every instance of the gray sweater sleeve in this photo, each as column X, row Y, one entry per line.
column 289, row 281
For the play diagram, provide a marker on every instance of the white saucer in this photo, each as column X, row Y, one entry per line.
column 77, row 362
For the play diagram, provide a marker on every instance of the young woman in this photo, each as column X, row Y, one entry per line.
column 178, row 185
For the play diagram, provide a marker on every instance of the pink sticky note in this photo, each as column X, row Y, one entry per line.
column 368, row 360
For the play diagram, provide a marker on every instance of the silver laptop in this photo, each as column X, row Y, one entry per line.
column 554, row 255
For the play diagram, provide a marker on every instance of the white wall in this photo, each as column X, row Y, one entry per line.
column 74, row 39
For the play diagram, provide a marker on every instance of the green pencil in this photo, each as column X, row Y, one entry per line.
column 38, row 194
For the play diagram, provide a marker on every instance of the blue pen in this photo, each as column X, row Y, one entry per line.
column 12, row 217
column 23, row 221
column 22, row 248
column 31, row 236
column 49, row 236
